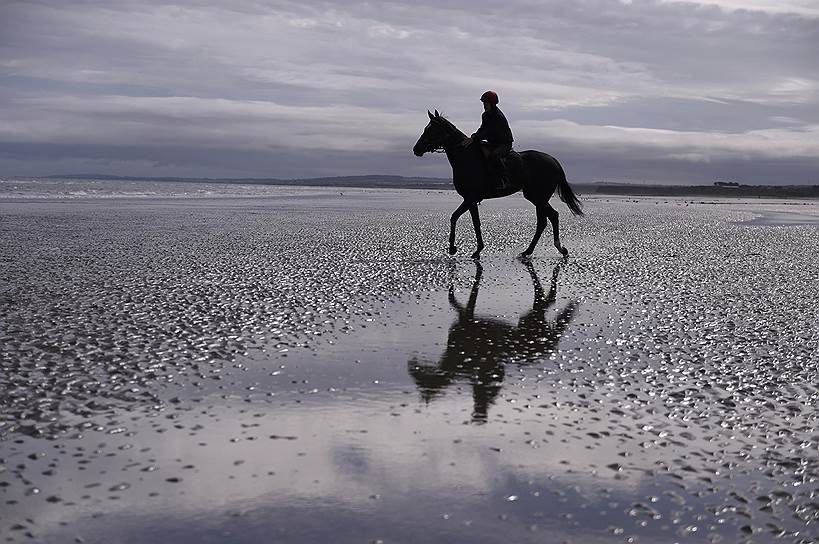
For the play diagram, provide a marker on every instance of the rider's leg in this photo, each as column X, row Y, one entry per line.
column 497, row 165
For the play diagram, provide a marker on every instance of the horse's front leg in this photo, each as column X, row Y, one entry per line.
column 476, row 222
column 459, row 211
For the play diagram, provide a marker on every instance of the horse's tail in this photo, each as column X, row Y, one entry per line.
column 564, row 190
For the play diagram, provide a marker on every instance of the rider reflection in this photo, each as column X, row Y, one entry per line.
column 479, row 348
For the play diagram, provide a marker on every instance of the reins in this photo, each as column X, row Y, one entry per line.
column 442, row 148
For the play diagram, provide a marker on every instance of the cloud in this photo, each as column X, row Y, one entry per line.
column 806, row 8
column 716, row 79
column 241, row 124
column 768, row 143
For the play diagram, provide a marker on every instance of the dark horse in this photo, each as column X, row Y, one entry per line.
column 479, row 347
column 540, row 174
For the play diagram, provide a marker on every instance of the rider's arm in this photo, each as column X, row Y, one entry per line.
column 480, row 134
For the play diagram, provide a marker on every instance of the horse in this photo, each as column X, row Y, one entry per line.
column 479, row 347
column 538, row 177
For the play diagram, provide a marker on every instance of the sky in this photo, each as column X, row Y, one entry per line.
column 640, row 91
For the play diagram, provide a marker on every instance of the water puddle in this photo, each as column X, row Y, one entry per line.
column 472, row 413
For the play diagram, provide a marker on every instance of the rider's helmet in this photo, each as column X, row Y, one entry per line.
column 491, row 97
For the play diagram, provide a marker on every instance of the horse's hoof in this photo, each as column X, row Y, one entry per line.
column 453, row 250
column 476, row 255
column 564, row 251
column 525, row 255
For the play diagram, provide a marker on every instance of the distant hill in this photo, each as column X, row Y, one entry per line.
column 718, row 189
column 394, row 182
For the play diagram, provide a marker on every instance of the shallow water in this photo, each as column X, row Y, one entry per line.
column 309, row 366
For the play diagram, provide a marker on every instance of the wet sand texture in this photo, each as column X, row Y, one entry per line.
column 312, row 368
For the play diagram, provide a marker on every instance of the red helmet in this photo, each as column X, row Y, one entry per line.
column 490, row 96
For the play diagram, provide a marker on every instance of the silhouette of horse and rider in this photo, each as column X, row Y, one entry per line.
column 479, row 348
column 479, row 171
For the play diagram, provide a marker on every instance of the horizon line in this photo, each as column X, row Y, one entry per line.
column 448, row 180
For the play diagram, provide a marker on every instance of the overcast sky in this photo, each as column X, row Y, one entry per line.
column 617, row 90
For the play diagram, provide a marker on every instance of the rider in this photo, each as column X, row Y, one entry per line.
column 495, row 130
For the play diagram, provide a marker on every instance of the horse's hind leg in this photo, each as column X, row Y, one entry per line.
column 554, row 219
column 541, row 225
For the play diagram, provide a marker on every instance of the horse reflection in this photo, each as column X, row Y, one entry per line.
column 478, row 348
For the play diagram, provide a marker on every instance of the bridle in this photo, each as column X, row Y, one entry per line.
column 441, row 148
column 437, row 149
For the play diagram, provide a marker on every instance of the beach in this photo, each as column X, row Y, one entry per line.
column 207, row 363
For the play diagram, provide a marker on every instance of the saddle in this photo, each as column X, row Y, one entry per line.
column 511, row 166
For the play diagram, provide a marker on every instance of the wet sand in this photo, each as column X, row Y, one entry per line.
column 310, row 367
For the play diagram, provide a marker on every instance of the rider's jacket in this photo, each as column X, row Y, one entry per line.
column 494, row 128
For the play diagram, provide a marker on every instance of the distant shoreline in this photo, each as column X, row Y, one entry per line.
column 402, row 182
column 742, row 191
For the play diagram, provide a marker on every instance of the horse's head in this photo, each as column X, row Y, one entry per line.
column 437, row 134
